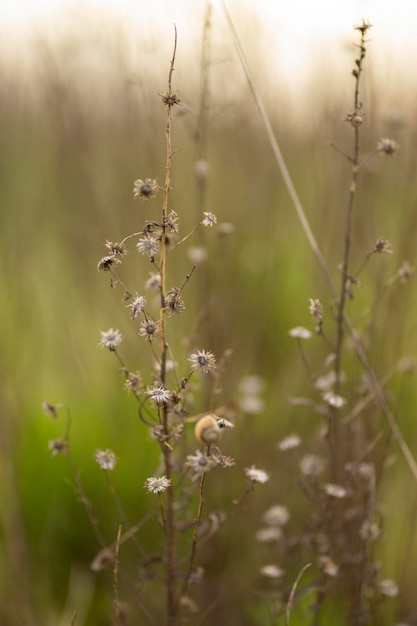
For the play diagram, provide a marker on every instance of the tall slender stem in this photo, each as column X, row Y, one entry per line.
column 169, row 99
column 336, row 458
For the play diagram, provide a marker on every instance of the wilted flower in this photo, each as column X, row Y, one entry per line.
column 57, row 446
column 170, row 98
column 256, row 475
column 363, row 27
column 145, row 189
column 271, row 571
column 225, row 229
column 199, row 464
column 311, row 465
column 157, row 485
column 154, row 282
column 173, row 301
column 253, row 405
column 335, row 491
column 209, row 219
column 172, row 221
column 316, row 310
column 149, row 329
column 387, row 146
column 50, row 409
column 405, row 271
column 224, row 461
column 333, row 399
column 328, row 566
column 106, row 459
column 116, row 249
column 369, row 531
column 133, row 381
column 299, row 332
column 277, row 515
column 203, row 361
column 251, row 385
column 388, row 588
column 382, row 245
column 201, row 169
column 158, row 395
column 110, row 339
column 137, row 307
column 197, row 254
column 106, row 263
column 148, row 245
column 355, row 118
column 326, row 382
column 289, row 443
column 269, row 534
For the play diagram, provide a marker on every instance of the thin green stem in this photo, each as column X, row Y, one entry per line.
column 168, row 515
column 194, row 540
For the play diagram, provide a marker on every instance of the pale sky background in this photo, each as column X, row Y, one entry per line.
column 289, row 33
column 290, row 25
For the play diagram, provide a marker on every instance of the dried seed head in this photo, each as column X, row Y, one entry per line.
column 355, row 118
column 405, row 271
column 157, row 484
column 256, row 475
column 289, row 443
column 145, row 189
column 116, row 249
column 149, row 329
column 154, row 282
column 170, row 98
column 57, row 446
column 388, row 588
column 316, row 309
column 50, row 409
column 382, row 245
column 158, row 395
column 133, row 381
column 328, row 566
column 136, row 307
column 209, row 219
column 106, row 263
column 148, row 245
column 199, row 464
column 272, row 571
column 110, row 339
column 276, row 515
column 106, row 459
column 203, row 361
column 363, row 27
column 387, row 147
column 299, row 332
column 207, row 430
column 174, row 302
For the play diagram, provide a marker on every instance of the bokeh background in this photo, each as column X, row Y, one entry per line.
column 80, row 120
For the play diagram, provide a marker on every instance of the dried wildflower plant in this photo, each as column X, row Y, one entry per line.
column 340, row 474
column 162, row 406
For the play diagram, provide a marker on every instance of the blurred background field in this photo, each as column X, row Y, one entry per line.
column 80, row 120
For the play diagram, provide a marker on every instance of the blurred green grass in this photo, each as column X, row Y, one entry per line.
column 67, row 168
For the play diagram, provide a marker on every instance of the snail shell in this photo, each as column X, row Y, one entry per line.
column 207, row 430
